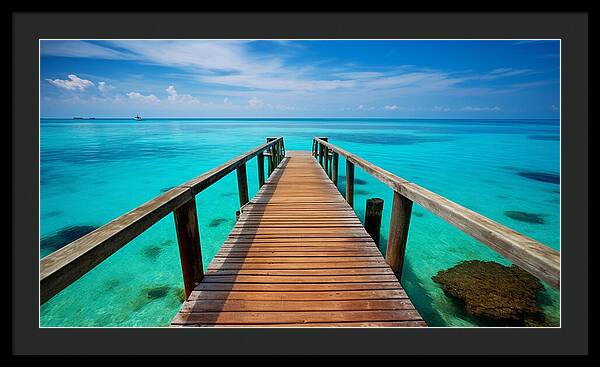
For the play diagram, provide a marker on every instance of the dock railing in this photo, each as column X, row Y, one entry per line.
column 527, row 253
column 64, row 266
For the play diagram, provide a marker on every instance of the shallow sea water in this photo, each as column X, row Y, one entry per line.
column 92, row 171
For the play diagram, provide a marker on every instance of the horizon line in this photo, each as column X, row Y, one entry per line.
column 309, row 117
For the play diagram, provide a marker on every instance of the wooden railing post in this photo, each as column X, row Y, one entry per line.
column 242, row 184
column 334, row 168
column 321, row 151
column 373, row 218
column 321, row 148
column 326, row 160
column 261, row 169
column 279, row 152
column 271, row 161
column 188, row 238
column 275, row 155
column 399, row 223
column 350, row 183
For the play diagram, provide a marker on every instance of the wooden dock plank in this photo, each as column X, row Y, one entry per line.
column 298, row 256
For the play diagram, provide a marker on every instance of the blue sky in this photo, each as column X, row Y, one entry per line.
column 223, row 78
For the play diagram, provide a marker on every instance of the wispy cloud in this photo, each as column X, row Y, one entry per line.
column 258, row 76
column 81, row 49
column 480, row 109
column 534, row 84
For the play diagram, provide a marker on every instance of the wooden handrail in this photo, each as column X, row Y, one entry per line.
column 64, row 266
column 529, row 254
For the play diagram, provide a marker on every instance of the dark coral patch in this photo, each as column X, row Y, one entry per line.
column 112, row 284
column 152, row 252
column 165, row 189
column 157, row 292
column 525, row 217
column 180, row 294
column 217, row 222
column 361, row 192
column 53, row 213
column 358, row 181
column 541, row 176
column 417, row 214
column 64, row 236
column 492, row 291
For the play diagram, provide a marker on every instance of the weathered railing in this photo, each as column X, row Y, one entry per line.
column 529, row 254
column 64, row 266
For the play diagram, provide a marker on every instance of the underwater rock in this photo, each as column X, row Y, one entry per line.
column 357, row 181
column 152, row 251
column 418, row 214
column 180, row 293
column 541, row 176
column 217, row 222
column 493, row 291
column 65, row 236
column 525, row 217
column 165, row 189
column 54, row 213
column 227, row 194
column 361, row 192
column 111, row 284
column 157, row 292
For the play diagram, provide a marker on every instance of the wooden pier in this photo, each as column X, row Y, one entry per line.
column 298, row 255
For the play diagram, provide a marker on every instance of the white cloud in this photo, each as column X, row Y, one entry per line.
column 391, row 107
column 73, row 83
column 181, row 98
column 255, row 102
column 104, row 88
column 440, row 109
column 480, row 109
column 364, row 108
column 138, row 97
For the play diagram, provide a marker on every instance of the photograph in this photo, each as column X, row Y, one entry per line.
column 377, row 183
column 299, row 183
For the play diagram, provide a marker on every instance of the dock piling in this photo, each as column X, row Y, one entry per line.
column 373, row 218
column 350, row 183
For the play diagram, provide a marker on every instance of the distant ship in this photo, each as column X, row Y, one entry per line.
column 137, row 118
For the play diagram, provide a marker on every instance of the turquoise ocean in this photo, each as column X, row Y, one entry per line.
column 92, row 171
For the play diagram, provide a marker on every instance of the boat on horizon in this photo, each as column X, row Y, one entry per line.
column 138, row 117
